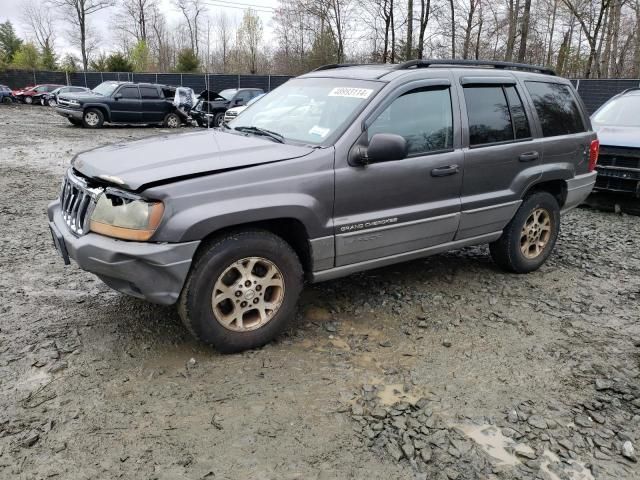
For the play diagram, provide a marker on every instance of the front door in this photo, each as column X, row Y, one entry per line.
column 126, row 106
column 393, row 207
column 502, row 153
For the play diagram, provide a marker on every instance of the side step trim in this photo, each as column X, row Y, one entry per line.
column 345, row 270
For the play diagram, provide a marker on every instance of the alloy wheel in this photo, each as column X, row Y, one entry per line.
column 92, row 119
column 248, row 294
column 535, row 233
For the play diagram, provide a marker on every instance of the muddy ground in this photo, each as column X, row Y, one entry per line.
column 443, row 368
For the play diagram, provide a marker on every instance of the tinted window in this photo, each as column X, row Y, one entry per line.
column 76, row 89
column 149, row 93
column 488, row 112
column 423, row 117
column 129, row 92
column 518, row 115
column 556, row 107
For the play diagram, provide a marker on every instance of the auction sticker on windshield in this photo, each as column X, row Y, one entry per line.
column 351, row 92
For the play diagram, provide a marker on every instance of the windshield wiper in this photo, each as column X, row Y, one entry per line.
column 261, row 131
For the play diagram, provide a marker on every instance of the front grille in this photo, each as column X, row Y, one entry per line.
column 64, row 102
column 77, row 201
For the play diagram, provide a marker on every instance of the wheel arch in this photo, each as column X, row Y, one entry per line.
column 106, row 111
column 556, row 187
column 290, row 229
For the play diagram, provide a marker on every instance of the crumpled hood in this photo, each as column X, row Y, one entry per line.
column 135, row 164
column 618, row 136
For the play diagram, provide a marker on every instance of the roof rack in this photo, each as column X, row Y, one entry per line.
column 331, row 66
column 474, row 63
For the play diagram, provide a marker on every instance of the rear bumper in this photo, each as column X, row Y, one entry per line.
column 69, row 113
column 152, row 271
column 578, row 189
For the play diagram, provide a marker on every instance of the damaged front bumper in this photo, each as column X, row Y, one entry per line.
column 152, row 271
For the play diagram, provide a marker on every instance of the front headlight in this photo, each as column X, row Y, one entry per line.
column 126, row 217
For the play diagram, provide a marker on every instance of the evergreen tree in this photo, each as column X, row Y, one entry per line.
column 10, row 43
column 117, row 62
column 187, row 61
column 27, row 57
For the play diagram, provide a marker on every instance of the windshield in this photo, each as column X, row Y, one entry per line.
column 308, row 110
column 621, row 112
column 105, row 88
column 229, row 93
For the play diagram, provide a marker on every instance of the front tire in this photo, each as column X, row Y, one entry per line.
column 28, row 100
column 242, row 291
column 92, row 118
column 52, row 102
column 218, row 119
column 529, row 238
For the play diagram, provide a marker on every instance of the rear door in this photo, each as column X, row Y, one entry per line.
column 502, row 152
column 153, row 105
column 565, row 128
column 393, row 207
column 126, row 106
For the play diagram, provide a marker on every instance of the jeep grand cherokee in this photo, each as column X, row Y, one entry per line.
column 389, row 163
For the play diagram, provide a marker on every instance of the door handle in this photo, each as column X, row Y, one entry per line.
column 444, row 171
column 529, row 157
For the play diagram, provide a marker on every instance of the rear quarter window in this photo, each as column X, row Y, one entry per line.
column 556, row 107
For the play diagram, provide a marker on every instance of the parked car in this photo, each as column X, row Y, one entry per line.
column 211, row 106
column 120, row 102
column 617, row 123
column 235, row 111
column 51, row 98
column 396, row 162
column 32, row 95
column 6, row 95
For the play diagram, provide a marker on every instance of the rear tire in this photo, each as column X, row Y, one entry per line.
column 529, row 238
column 92, row 118
column 242, row 291
column 7, row 100
column 171, row 120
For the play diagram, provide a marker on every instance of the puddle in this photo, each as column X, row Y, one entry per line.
column 393, row 393
column 492, row 441
column 502, row 449
column 34, row 379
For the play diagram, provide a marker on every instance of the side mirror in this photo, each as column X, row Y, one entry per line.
column 384, row 147
column 117, row 96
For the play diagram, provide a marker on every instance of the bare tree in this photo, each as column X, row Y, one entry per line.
column 192, row 11
column 39, row 22
column 77, row 12
column 250, row 37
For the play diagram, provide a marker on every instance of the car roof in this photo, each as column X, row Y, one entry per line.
column 388, row 72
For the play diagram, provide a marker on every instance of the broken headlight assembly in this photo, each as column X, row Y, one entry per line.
column 125, row 216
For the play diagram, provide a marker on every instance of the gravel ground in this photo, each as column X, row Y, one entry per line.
column 443, row 368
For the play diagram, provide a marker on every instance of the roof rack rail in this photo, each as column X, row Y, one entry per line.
column 474, row 63
column 331, row 66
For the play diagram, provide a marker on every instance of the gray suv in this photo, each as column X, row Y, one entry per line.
column 380, row 164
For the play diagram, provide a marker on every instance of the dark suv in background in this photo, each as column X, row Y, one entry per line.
column 211, row 106
column 388, row 163
column 120, row 102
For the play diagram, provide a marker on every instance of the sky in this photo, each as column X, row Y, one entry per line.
column 12, row 10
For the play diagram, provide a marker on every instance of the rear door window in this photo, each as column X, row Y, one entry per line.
column 130, row 92
column 149, row 93
column 556, row 107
